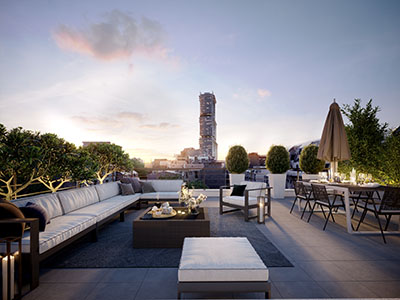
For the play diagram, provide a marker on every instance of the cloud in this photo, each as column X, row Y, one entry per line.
column 263, row 93
column 96, row 123
column 118, row 36
column 131, row 115
column 162, row 125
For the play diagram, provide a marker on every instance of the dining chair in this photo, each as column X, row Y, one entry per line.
column 388, row 206
column 323, row 199
column 302, row 193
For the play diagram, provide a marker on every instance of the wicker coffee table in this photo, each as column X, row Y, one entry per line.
column 169, row 233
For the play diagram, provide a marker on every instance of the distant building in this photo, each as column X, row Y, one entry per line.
column 256, row 160
column 85, row 144
column 208, row 126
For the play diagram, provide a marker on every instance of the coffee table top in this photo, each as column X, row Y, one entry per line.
column 202, row 216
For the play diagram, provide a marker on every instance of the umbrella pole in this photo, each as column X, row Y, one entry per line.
column 334, row 167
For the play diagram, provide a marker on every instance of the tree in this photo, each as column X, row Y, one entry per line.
column 237, row 161
column 110, row 158
column 365, row 135
column 309, row 163
column 57, row 161
column 21, row 160
column 277, row 161
column 390, row 171
column 138, row 166
column 83, row 167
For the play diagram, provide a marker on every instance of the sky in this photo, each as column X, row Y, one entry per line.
column 130, row 72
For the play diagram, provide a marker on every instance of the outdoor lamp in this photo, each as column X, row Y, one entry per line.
column 261, row 210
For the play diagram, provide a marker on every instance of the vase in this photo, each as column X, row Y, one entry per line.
column 194, row 211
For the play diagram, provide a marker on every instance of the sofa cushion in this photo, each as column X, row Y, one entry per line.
column 107, row 190
column 160, row 195
column 166, row 185
column 77, row 198
column 255, row 185
column 32, row 210
column 137, row 188
column 220, row 259
column 59, row 230
column 50, row 202
column 240, row 200
column 238, row 190
column 126, row 189
column 147, row 187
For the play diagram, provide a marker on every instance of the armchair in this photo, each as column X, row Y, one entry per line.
column 253, row 191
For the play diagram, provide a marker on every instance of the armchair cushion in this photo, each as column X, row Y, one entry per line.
column 237, row 200
column 255, row 185
column 238, row 190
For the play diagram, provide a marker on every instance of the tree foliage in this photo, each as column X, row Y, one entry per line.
column 110, row 158
column 309, row 162
column 237, row 161
column 21, row 160
column 390, row 171
column 277, row 161
column 365, row 135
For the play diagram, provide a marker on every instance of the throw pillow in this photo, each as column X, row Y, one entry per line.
column 126, row 189
column 32, row 210
column 137, row 188
column 9, row 211
column 238, row 190
column 147, row 187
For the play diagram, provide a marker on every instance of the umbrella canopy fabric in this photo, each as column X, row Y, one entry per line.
column 334, row 146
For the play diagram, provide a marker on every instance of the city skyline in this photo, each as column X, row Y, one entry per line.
column 130, row 72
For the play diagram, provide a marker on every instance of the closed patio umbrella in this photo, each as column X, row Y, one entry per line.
column 334, row 146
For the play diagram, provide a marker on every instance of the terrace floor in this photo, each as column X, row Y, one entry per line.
column 327, row 264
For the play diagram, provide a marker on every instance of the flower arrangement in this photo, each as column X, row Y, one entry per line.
column 186, row 197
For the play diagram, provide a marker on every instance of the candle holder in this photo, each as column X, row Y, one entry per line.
column 260, row 210
column 8, row 269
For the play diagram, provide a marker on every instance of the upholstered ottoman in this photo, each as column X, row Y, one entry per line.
column 227, row 264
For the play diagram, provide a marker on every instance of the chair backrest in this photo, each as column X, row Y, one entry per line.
column 320, row 193
column 255, row 185
column 300, row 189
column 390, row 200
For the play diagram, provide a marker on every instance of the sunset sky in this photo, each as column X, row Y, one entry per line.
column 130, row 72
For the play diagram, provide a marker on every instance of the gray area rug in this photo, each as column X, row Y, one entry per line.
column 114, row 246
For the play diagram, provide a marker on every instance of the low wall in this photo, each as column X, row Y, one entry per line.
column 215, row 192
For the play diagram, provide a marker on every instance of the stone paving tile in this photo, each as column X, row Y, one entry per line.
column 300, row 290
column 325, row 271
column 385, row 289
column 113, row 291
column 63, row 291
column 72, row 275
column 159, row 283
column 288, row 274
column 371, row 270
column 125, row 275
column 347, row 289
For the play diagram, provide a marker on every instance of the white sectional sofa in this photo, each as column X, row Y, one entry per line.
column 77, row 212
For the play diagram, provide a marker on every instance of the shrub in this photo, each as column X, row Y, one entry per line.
column 196, row 184
column 277, row 161
column 237, row 161
column 309, row 162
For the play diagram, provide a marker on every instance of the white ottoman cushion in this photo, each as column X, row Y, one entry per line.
column 220, row 259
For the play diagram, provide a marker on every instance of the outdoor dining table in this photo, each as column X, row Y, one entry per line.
column 345, row 190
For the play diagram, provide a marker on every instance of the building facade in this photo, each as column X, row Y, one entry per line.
column 208, row 126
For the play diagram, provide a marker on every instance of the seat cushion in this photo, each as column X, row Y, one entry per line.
column 160, row 195
column 220, row 259
column 166, row 185
column 49, row 202
column 77, row 198
column 106, row 208
column 59, row 230
column 107, row 190
column 240, row 200
column 255, row 185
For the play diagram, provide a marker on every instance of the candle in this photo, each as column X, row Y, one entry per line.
column 261, row 211
column 5, row 282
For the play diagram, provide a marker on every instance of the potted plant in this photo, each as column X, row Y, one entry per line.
column 237, row 163
column 309, row 163
column 277, row 162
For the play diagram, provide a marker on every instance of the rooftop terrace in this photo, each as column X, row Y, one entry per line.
column 326, row 264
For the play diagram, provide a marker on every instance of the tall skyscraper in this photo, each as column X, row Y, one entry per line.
column 208, row 126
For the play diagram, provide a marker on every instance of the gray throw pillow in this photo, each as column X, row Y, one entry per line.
column 137, row 188
column 126, row 189
column 147, row 187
